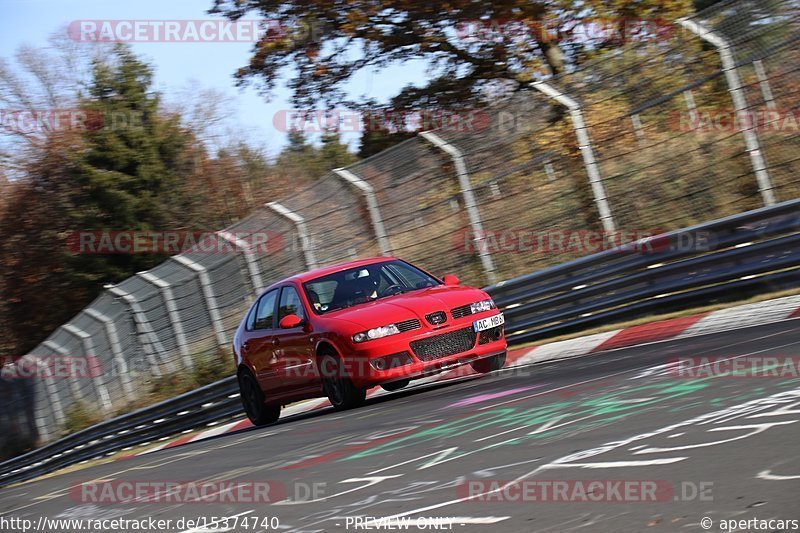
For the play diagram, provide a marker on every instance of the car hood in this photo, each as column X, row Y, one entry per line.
column 415, row 304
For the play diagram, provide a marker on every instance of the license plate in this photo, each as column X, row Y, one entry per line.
column 489, row 323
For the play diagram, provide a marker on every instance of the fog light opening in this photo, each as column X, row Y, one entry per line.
column 388, row 362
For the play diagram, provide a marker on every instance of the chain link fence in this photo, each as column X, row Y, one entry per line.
column 651, row 137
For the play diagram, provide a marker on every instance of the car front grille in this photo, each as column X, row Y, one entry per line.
column 461, row 312
column 490, row 335
column 445, row 344
column 408, row 325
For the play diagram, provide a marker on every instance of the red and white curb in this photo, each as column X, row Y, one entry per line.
column 702, row 324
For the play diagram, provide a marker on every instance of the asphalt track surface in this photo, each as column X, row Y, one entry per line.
column 443, row 455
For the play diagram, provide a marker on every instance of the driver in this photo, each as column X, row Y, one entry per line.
column 357, row 290
column 367, row 287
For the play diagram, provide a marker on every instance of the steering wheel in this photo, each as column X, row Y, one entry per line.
column 393, row 286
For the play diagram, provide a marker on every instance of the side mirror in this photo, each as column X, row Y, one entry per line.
column 451, row 280
column 290, row 321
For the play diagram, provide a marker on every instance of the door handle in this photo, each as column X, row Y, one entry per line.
column 276, row 341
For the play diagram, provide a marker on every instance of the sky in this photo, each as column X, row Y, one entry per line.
column 179, row 65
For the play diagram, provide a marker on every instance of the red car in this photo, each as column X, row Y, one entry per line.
column 340, row 330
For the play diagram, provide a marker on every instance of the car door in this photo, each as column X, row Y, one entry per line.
column 258, row 344
column 293, row 348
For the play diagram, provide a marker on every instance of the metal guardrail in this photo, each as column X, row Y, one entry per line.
column 194, row 409
column 746, row 252
column 751, row 249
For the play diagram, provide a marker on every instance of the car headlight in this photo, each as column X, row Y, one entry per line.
column 376, row 333
column 483, row 305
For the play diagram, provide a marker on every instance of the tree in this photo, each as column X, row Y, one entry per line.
column 135, row 165
column 322, row 45
column 134, row 172
column 302, row 162
column 38, row 289
column 379, row 133
column 39, row 80
column 132, row 167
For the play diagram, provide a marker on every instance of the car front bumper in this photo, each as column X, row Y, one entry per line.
column 426, row 352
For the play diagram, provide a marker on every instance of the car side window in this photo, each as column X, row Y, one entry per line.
column 251, row 317
column 411, row 277
column 386, row 278
column 320, row 294
column 265, row 313
column 290, row 304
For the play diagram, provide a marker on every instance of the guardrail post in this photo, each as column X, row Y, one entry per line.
column 249, row 257
column 89, row 351
column 585, row 146
column 208, row 293
column 116, row 350
column 372, row 207
column 471, row 205
column 302, row 232
column 147, row 337
column 172, row 312
column 739, row 104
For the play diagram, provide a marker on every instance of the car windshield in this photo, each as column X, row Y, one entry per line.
column 364, row 284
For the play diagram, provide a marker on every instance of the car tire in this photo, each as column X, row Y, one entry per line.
column 259, row 413
column 489, row 364
column 338, row 386
column 395, row 385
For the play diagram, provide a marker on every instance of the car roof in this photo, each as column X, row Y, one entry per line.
column 319, row 272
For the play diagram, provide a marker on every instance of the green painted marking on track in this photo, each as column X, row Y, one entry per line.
column 612, row 407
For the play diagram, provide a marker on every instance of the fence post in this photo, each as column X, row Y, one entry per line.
column 54, row 399
column 691, row 105
column 208, row 294
column 172, row 312
column 302, row 232
column 585, row 146
column 249, row 258
column 116, row 349
column 739, row 104
column 151, row 345
column 638, row 130
column 77, row 393
column 549, row 171
column 89, row 351
column 763, row 83
column 474, row 215
column 372, row 206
